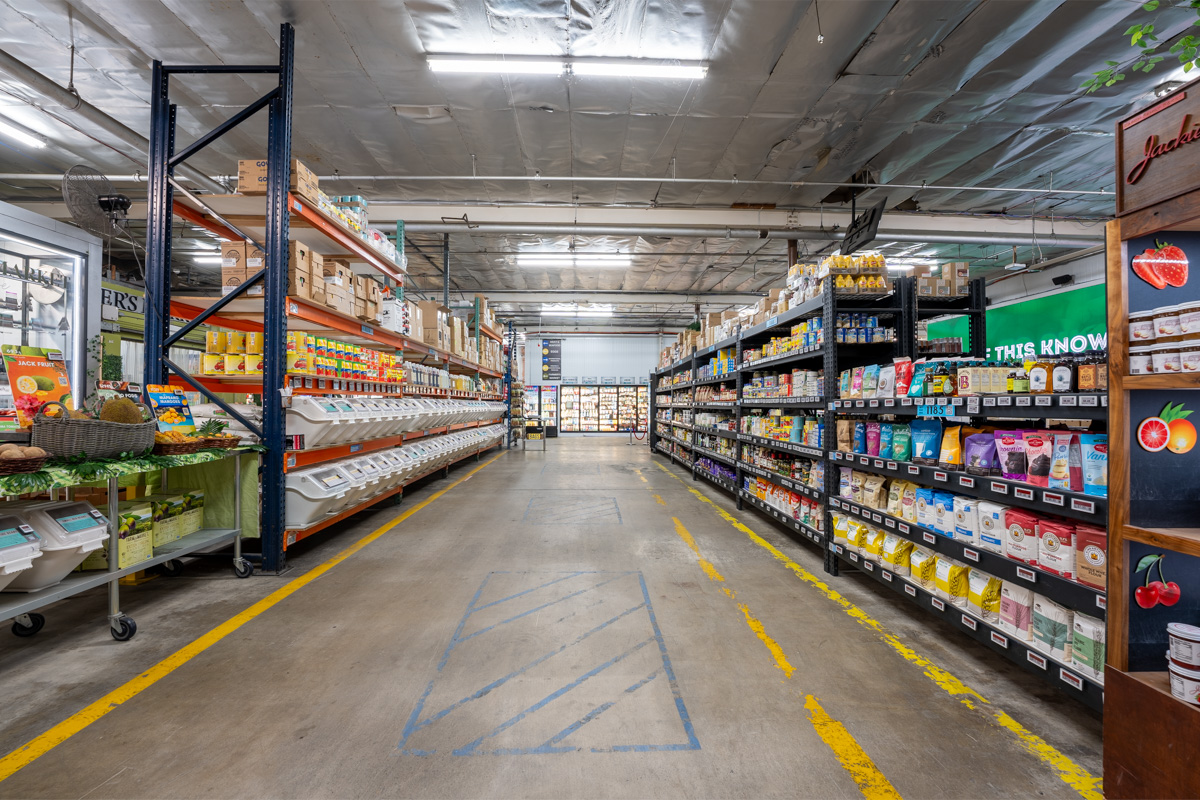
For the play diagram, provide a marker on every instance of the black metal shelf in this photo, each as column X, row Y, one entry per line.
column 721, row 345
column 1075, row 505
column 715, row 432
column 1063, row 591
column 679, row 442
column 730, row 378
column 683, row 425
column 782, row 447
column 809, row 308
column 783, row 358
column 1085, row 405
column 721, row 482
column 714, row 455
column 717, row 405
column 812, row 534
column 790, row 484
column 1019, row 652
column 784, row 402
column 682, row 460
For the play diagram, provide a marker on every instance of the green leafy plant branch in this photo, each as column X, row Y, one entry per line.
column 1145, row 39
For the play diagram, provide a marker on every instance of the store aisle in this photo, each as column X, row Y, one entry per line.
column 576, row 623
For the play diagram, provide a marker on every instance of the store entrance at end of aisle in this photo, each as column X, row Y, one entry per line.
column 601, row 409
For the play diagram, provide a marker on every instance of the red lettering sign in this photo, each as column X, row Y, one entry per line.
column 1187, row 133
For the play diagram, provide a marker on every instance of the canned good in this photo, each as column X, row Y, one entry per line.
column 254, row 364
column 254, row 342
column 235, row 363
column 214, row 342
column 214, row 363
column 299, row 364
column 235, row 342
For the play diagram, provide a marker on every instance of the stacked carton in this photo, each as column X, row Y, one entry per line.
column 252, row 179
column 435, row 324
column 952, row 279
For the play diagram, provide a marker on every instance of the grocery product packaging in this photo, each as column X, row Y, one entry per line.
column 885, row 440
column 983, row 595
column 856, row 382
column 950, row 581
column 916, row 386
column 950, row 453
column 845, row 477
column 845, row 435
column 856, row 535
column 1052, row 625
column 943, row 513
column 1038, row 452
column 1091, row 555
column 1016, row 611
column 860, row 438
column 170, row 407
column 1010, row 450
column 874, row 546
column 991, row 526
column 1056, row 546
column 966, row 519
column 924, row 567
column 857, row 479
column 901, row 443
column 840, row 529
column 895, row 553
column 1094, row 451
column 925, row 514
column 926, row 440
column 903, row 368
column 908, row 504
column 870, row 380
column 874, row 493
column 895, row 503
column 36, row 375
column 979, row 454
column 1020, row 536
column 1087, row 646
column 1066, row 463
column 886, row 386
column 872, row 437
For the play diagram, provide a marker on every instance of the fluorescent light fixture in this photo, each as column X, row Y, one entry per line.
column 498, row 65
column 207, row 260
column 900, row 267
column 574, row 260
column 571, row 310
column 16, row 134
column 598, row 67
column 639, row 68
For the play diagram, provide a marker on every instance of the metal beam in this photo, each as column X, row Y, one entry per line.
column 226, row 126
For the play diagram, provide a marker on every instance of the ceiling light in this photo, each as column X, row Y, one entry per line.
column 573, row 260
column 571, row 310
column 639, row 68
column 498, row 65
column 206, row 259
column 16, row 134
column 600, row 67
column 1013, row 267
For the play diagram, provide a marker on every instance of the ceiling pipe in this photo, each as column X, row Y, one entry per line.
column 1050, row 262
column 738, row 233
column 75, row 105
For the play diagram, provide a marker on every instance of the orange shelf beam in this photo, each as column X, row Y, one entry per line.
column 339, row 235
column 295, row 459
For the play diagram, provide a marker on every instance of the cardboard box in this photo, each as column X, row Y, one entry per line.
column 942, row 288
column 433, row 314
column 233, row 266
column 926, row 287
column 252, row 179
column 360, row 307
column 135, row 533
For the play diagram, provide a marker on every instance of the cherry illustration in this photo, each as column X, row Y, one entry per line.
column 1151, row 593
column 1147, row 596
column 1169, row 594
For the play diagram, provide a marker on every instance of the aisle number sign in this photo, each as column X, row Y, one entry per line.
column 1060, row 324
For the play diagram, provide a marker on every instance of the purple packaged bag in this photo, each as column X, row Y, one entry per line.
column 872, row 438
column 1010, row 451
column 979, row 454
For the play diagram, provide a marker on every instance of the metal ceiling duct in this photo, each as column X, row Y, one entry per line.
column 73, row 104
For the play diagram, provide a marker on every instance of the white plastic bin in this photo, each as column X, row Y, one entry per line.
column 320, row 420
column 313, row 494
column 19, row 546
column 69, row 531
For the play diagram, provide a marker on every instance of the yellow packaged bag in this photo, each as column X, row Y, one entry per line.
column 856, row 535
column 840, row 526
column 924, row 567
column 874, row 547
column 950, row 581
column 894, row 554
column 983, row 595
column 951, row 456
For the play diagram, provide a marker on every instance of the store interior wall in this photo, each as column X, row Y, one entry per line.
column 1086, row 271
column 595, row 357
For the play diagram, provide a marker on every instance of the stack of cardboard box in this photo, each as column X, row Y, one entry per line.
column 252, row 179
column 952, row 279
column 435, row 324
column 239, row 262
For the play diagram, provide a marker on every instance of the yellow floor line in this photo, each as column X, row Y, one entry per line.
column 1087, row 785
column 871, row 782
column 39, row 746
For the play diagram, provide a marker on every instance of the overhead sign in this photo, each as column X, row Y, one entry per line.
column 627, row 381
column 609, row 381
column 114, row 301
column 1055, row 325
column 552, row 359
column 863, row 229
column 1153, row 161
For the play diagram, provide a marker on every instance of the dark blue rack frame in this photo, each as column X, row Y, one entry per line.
column 160, row 204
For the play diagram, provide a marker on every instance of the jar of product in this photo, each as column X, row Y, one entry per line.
column 1140, row 362
column 1166, row 358
column 1189, row 354
column 1166, row 322
column 1189, row 318
column 1141, row 327
column 1185, row 682
column 1062, row 377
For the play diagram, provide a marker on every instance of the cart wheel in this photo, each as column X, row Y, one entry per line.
column 36, row 623
column 125, row 630
column 242, row 568
column 172, row 568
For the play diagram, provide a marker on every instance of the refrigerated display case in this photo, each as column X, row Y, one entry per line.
column 568, row 402
column 608, row 408
column 643, row 406
column 549, row 407
column 630, row 413
column 531, row 406
column 589, row 409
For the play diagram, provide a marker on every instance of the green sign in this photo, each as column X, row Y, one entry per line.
column 1059, row 324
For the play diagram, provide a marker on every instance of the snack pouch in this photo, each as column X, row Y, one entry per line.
column 895, row 553
column 943, row 513
column 860, row 438
column 886, row 385
column 870, row 380
column 923, row 565
column 1010, row 450
column 1066, row 463
column 856, row 486
column 856, row 382
column 872, row 438
column 901, row 443
column 845, row 435
column 924, row 504
column 845, row 478
column 1094, row 451
column 856, row 535
column 874, row 493
column 845, row 379
column 916, row 387
column 908, row 505
column 841, row 527
column 885, row 440
column 983, row 596
column 926, row 440
column 979, row 454
column 950, row 581
column 1038, row 447
column 874, row 545
column 903, row 375
column 895, row 502
column 950, row 457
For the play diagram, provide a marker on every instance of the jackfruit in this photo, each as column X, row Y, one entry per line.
column 44, row 384
column 123, row 410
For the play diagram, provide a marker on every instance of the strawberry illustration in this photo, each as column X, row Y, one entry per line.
column 1171, row 264
column 1145, row 266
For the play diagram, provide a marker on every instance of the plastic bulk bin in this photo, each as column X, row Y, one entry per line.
column 354, row 422
column 389, row 416
column 408, row 461
column 321, row 421
column 19, row 546
column 379, row 420
column 360, row 484
column 313, row 494
column 69, row 531
column 374, row 477
column 388, row 477
column 410, row 414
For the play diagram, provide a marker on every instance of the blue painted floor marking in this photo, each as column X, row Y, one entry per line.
column 534, row 710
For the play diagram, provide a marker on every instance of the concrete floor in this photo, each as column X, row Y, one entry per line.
column 542, row 630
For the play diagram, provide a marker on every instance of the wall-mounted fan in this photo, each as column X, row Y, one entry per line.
column 93, row 202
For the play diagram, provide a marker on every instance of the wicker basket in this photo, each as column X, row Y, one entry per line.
column 17, row 466
column 65, row 437
column 181, row 449
column 221, row 442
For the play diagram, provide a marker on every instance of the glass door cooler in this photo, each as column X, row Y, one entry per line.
column 549, row 407
column 568, row 403
column 589, row 409
column 608, row 409
column 643, row 408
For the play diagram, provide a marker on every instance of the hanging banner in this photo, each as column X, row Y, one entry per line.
column 552, row 359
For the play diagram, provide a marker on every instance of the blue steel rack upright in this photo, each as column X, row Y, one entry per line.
column 163, row 159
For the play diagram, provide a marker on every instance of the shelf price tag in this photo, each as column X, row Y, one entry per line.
column 868, row 566
column 892, row 465
column 1068, row 400
column 989, row 401
column 1088, row 400
column 1052, row 498
column 1071, row 679
column 938, row 475
column 1086, row 506
column 967, row 481
column 913, row 469
column 906, row 401
column 887, row 576
column 902, row 527
column 889, row 402
column 1027, row 574
column 969, row 622
column 1024, row 400
column 878, row 463
column 876, row 518
column 910, row 590
column 1000, row 640
column 891, row 523
column 1044, row 400
column 874, row 404
column 937, row 603
column 1004, row 401
column 970, row 555
column 859, row 404
column 1035, row 659
column 1022, row 493
column 1102, row 602
column 999, row 488
column 929, row 537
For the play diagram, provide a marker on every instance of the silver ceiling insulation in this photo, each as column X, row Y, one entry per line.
column 937, row 92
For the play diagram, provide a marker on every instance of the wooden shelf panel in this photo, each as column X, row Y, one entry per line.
column 1179, row 540
column 1183, row 380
